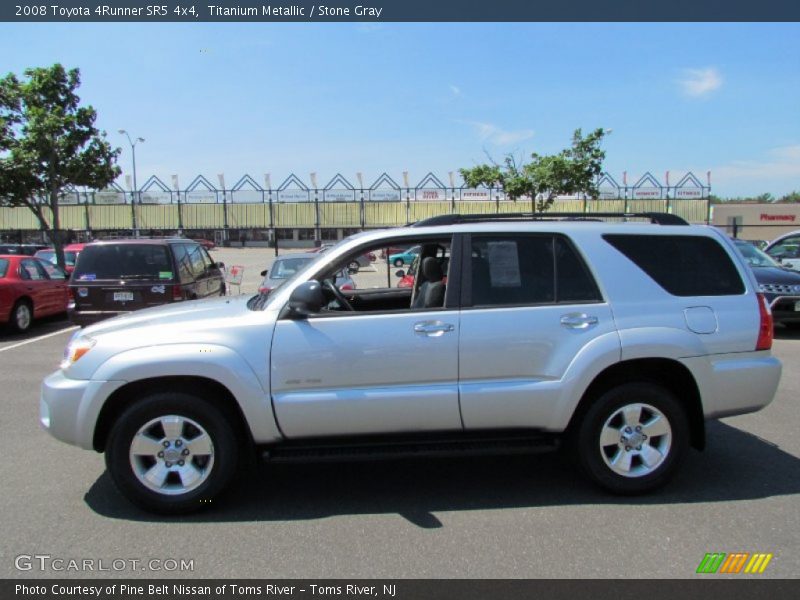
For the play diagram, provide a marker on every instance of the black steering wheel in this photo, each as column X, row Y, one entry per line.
column 340, row 297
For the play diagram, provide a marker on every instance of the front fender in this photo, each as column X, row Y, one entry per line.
column 220, row 363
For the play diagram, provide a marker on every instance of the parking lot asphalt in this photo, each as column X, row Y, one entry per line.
column 467, row 517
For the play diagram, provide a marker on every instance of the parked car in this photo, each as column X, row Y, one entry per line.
column 30, row 288
column 359, row 261
column 71, row 253
column 616, row 340
column 287, row 266
column 780, row 285
column 207, row 244
column 116, row 277
column 406, row 257
column 786, row 250
column 384, row 252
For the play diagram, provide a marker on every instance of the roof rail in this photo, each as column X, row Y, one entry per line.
column 454, row 219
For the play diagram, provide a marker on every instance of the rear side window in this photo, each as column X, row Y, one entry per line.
column 3, row 267
column 528, row 269
column 681, row 264
column 126, row 261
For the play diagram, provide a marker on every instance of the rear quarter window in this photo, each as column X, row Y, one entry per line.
column 683, row 265
column 3, row 267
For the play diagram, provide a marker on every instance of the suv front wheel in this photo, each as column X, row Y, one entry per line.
column 172, row 452
column 632, row 438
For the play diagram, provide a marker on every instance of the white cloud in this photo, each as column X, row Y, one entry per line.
column 699, row 83
column 783, row 161
column 456, row 91
column 499, row 137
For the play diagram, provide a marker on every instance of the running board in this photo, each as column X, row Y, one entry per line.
column 356, row 450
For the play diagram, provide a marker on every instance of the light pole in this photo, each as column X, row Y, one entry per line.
column 135, row 187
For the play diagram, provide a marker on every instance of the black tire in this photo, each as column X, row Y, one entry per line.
column 224, row 448
column 641, row 477
column 399, row 262
column 19, row 322
column 354, row 266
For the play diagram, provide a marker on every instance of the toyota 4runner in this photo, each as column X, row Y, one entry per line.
column 616, row 340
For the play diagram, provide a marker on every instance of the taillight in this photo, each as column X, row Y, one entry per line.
column 765, row 325
column 177, row 293
column 264, row 290
column 346, row 287
column 70, row 295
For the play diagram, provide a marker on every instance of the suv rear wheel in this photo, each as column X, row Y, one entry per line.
column 172, row 452
column 632, row 438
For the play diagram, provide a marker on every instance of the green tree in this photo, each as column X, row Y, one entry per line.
column 571, row 171
column 48, row 142
column 790, row 198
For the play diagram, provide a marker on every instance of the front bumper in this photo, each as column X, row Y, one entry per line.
column 69, row 408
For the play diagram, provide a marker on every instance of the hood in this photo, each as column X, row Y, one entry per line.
column 777, row 275
column 175, row 315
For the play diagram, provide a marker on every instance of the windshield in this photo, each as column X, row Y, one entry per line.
column 3, row 267
column 120, row 261
column 754, row 256
column 284, row 268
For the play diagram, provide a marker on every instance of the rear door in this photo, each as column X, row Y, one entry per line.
column 37, row 286
column 57, row 290
column 530, row 306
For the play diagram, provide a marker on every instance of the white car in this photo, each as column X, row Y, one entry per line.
column 618, row 340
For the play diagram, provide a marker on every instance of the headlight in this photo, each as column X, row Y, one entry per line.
column 77, row 347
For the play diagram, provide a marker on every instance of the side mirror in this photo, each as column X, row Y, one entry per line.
column 352, row 270
column 400, row 273
column 264, row 272
column 220, row 265
column 307, row 299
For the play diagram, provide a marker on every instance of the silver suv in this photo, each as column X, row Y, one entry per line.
column 616, row 340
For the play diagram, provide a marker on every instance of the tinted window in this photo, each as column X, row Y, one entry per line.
column 788, row 248
column 683, row 265
column 3, row 267
column 131, row 261
column 53, row 271
column 512, row 270
column 574, row 283
column 532, row 269
column 196, row 261
column 181, row 252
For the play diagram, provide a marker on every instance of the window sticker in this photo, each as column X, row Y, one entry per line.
column 504, row 264
column 165, row 274
column 88, row 277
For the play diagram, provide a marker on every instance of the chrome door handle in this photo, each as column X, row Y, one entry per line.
column 578, row 320
column 433, row 328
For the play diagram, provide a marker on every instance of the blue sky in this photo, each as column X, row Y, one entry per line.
column 278, row 98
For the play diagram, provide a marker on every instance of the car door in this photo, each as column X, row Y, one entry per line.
column 37, row 286
column 214, row 276
column 57, row 289
column 376, row 371
column 531, row 307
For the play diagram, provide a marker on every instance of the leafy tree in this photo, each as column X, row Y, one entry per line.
column 573, row 170
column 48, row 142
column 790, row 198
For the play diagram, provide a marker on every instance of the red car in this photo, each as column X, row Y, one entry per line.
column 30, row 288
column 71, row 252
column 207, row 244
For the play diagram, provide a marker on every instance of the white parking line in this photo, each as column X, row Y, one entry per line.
column 36, row 339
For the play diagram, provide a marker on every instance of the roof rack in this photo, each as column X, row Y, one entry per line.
column 454, row 219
